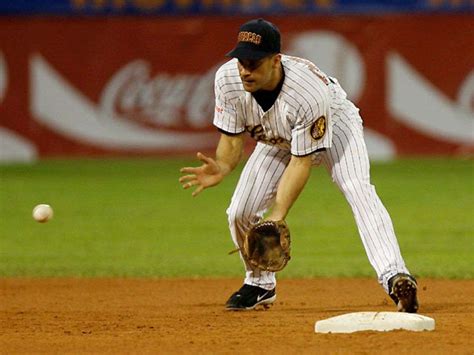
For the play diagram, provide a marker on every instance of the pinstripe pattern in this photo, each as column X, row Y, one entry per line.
column 286, row 129
column 253, row 195
column 348, row 164
column 303, row 99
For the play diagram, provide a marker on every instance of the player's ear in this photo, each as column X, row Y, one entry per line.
column 276, row 60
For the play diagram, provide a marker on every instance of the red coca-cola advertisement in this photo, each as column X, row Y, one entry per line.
column 129, row 86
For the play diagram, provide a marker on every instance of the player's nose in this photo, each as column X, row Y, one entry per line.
column 244, row 72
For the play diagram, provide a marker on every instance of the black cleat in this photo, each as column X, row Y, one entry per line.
column 249, row 297
column 402, row 289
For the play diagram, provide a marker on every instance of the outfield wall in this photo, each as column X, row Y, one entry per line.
column 143, row 86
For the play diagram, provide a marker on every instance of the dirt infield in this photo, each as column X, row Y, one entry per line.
column 187, row 316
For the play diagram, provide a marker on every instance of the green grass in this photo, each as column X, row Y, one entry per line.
column 131, row 218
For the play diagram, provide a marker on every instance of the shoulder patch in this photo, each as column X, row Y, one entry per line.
column 318, row 128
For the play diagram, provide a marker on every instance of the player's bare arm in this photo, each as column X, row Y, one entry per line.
column 212, row 171
column 291, row 184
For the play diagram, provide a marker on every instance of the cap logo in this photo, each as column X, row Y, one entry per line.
column 251, row 37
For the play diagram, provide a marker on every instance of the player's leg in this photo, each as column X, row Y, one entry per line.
column 348, row 163
column 254, row 193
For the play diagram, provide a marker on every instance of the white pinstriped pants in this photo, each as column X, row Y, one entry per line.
column 348, row 164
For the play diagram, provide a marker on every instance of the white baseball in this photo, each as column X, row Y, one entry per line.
column 42, row 213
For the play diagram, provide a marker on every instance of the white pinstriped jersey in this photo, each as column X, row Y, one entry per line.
column 311, row 112
column 299, row 120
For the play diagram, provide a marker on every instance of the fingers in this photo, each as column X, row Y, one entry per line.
column 191, row 179
column 194, row 170
column 188, row 170
column 188, row 181
column 198, row 190
column 186, row 178
column 189, row 184
column 204, row 158
column 201, row 156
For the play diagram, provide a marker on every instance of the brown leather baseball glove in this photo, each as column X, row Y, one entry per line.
column 267, row 245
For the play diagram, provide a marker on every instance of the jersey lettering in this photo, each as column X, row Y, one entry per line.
column 258, row 133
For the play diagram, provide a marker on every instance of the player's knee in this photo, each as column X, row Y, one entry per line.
column 237, row 216
column 356, row 186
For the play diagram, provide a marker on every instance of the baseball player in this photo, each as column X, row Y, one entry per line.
column 300, row 117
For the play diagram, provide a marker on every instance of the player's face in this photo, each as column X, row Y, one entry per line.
column 259, row 74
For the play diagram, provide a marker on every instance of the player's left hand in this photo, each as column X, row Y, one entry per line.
column 204, row 176
column 267, row 245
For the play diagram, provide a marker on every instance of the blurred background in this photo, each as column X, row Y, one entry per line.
column 135, row 77
column 102, row 101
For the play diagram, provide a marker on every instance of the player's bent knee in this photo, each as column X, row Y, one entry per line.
column 238, row 218
column 354, row 186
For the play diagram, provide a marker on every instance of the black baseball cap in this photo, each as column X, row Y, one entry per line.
column 256, row 39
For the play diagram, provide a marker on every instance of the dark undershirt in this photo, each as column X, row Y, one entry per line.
column 266, row 98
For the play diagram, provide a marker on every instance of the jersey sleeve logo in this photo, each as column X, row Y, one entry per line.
column 318, row 128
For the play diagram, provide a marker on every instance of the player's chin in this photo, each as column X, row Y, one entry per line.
column 249, row 86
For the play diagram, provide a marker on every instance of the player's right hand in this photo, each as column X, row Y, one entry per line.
column 204, row 176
